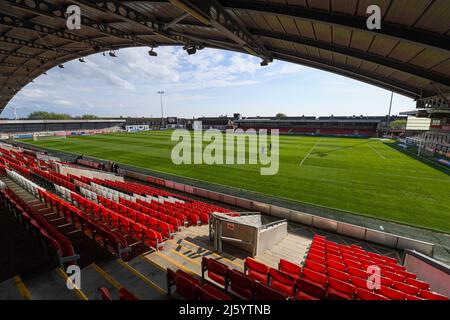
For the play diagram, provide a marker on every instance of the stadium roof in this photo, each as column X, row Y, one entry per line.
column 410, row 54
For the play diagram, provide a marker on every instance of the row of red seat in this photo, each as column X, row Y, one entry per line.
column 111, row 240
column 350, row 266
column 177, row 220
column 113, row 220
column 28, row 216
column 154, row 222
column 189, row 206
column 187, row 218
column 191, row 288
column 245, row 285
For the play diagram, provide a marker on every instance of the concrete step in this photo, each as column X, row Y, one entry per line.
column 197, row 252
column 51, row 286
column 133, row 280
column 151, row 270
column 182, row 261
column 92, row 279
column 14, row 289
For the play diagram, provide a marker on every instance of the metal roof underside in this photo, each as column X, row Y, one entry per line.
column 409, row 55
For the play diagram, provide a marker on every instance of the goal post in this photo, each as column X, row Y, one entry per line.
column 60, row 135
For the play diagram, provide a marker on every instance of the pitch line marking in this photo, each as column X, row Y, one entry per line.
column 375, row 150
column 314, row 146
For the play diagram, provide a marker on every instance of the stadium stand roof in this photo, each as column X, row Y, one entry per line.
column 410, row 54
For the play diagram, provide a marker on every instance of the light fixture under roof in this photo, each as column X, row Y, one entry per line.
column 152, row 53
column 82, row 60
column 191, row 50
column 264, row 63
column 112, row 54
column 61, row 66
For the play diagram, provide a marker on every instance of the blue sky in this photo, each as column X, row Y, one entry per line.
column 209, row 83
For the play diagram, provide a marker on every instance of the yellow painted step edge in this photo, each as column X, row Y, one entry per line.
column 107, row 276
column 22, row 288
column 77, row 290
column 141, row 276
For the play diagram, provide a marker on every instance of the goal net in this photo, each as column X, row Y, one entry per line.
column 59, row 135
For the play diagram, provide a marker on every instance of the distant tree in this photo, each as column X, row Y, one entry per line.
column 281, row 115
column 43, row 115
column 398, row 124
column 89, row 117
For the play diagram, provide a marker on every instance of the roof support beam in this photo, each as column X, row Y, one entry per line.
column 175, row 21
column 47, row 9
column 14, row 22
column 347, row 71
column 358, row 54
column 398, row 32
column 132, row 16
column 210, row 12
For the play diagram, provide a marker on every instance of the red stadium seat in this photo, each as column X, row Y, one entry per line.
column 315, row 266
column 406, row 288
column 217, row 271
column 417, row 283
column 315, row 276
column 391, row 293
column 309, row 288
column 264, row 292
column 282, row 281
column 126, row 295
column 208, row 292
column 336, row 265
column 431, row 295
column 339, row 290
column 105, row 294
column 357, row 272
column 338, row 274
column 362, row 294
column 359, row 282
column 289, row 267
column 256, row 270
column 316, row 258
column 241, row 284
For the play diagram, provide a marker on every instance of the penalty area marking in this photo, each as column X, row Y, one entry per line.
column 314, row 146
column 376, row 151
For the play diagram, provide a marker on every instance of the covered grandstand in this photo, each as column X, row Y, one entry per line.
column 138, row 236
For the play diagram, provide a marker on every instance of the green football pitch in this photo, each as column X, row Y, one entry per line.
column 363, row 176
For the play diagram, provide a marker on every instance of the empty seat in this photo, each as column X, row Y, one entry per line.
column 338, row 274
column 242, row 284
column 417, row 283
column 289, row 267
column 282, row 281
column 306, row 288
column 315, row 266
column 431, row 295
column 336, row 265
column 217, row 271
column 406, row 288
column 208, row 292
column 316, row 258
column 256, row 270
column 264, row 292
column 185, row 284
column 340, row 290
column 391, row 293
column 357, row 272
column 315, row 276
column 362, row 294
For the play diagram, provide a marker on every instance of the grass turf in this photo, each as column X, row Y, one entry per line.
column 363, row 176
